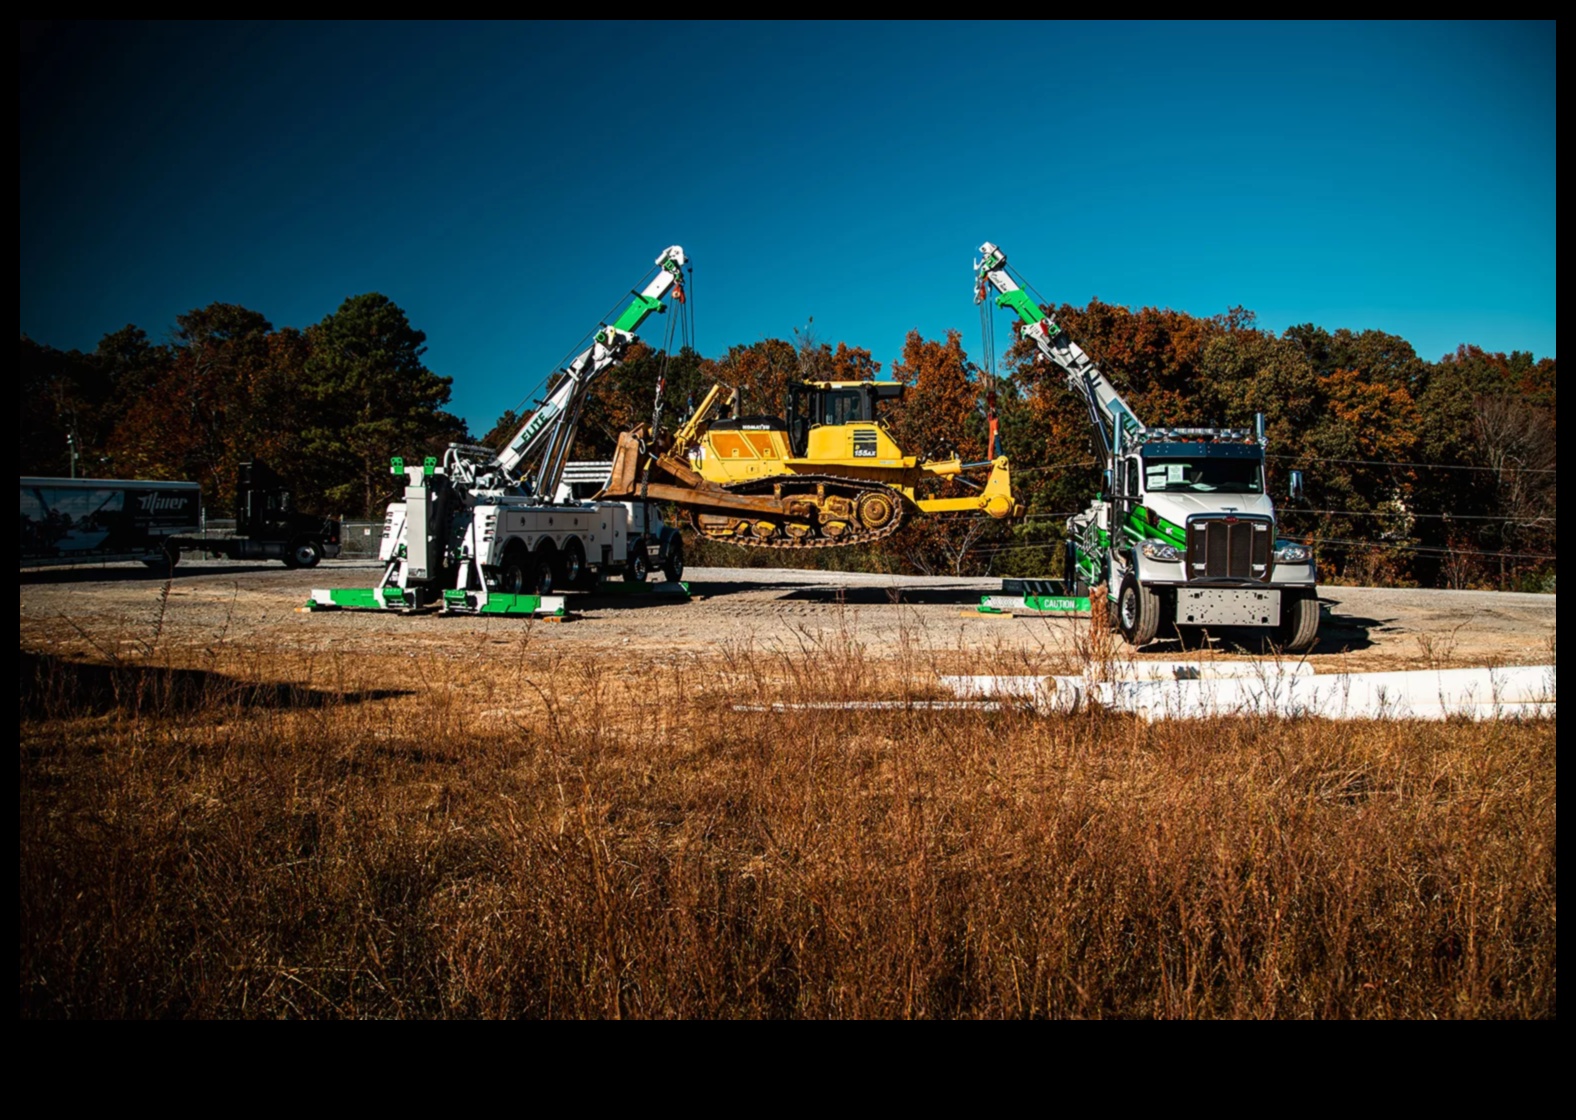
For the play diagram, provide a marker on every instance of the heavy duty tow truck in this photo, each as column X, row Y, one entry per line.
column 827, row 475
column 495, row 532
column 1184, row 531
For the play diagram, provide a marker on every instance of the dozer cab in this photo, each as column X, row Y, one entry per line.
column 828, row 474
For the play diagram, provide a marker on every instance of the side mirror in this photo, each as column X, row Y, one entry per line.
column 1294, row 486
column 1108, row 486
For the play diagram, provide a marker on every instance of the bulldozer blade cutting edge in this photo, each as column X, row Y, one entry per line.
column 359, row 599
column 1038, row 604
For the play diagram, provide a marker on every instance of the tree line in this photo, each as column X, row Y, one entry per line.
column 1435, row 473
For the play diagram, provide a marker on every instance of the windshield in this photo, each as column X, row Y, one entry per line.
column 1223, row 476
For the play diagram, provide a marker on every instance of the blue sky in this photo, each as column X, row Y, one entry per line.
column 507, row 184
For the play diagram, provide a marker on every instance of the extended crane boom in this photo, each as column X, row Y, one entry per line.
column 551, row 428
column 1107, row 410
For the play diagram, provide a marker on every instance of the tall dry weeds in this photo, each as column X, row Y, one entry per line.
column 539, row 835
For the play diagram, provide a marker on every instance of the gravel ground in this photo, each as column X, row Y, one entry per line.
column 107, row 610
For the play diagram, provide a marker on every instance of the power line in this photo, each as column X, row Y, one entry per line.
column 1429, row 466
column 1407, row 514
column 1435, row 550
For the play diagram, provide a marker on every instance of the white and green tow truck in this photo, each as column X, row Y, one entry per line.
column 498, row 532
column 1184, row 534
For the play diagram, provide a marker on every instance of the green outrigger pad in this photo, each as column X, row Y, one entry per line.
column 359, row 599
column 454, row 602
column 1034, row 604
column 497, row 602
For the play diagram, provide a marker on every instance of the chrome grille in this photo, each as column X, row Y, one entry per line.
column 1228, row 548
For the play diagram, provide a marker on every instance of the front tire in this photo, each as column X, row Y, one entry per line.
column 638, row 567
column 1299, row 624
column 165, row 563
column 1137, row 612
column 303, row 554
column 673, row 566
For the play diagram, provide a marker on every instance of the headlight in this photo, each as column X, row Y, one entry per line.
column 1160, row 550
column 1290, row 552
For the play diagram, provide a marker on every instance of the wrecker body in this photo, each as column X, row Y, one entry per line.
column 497, row 532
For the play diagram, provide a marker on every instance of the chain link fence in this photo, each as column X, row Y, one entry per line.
column 358, row 540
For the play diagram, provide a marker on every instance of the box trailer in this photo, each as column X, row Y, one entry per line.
column 99, row 520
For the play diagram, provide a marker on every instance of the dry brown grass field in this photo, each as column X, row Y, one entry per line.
column 249, row 812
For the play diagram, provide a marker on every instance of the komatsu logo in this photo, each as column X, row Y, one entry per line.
column 159, row 503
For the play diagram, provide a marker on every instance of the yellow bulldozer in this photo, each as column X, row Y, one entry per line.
column 828, row 475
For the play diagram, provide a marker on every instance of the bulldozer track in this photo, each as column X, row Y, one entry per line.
column 856, row 536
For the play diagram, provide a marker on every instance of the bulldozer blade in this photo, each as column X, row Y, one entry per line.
column 626, row 468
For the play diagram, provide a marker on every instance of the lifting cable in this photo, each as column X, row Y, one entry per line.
column 988, row 330
column 680, row 323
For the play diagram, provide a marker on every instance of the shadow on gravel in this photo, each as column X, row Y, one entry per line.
column 1338, row 633
column 887, row 596
column 141, row 574
column 56, row 686
column 861, row 595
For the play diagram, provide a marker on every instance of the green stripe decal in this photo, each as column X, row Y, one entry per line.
column 1139, row 529
column 1020, row 302
column 511, row 604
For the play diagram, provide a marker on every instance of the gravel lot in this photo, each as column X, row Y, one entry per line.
column 108, row 610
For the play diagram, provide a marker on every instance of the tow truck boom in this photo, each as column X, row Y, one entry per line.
column 550, row 430
column 1107, row 410
column 493, row 531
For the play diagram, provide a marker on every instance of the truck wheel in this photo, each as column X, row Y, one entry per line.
column 513, row 578
column 1299, row 624
column 572, row 563
column 637, row 568
column 542, row 571
column 166, row 562
column 304, row 554
column 673, row 566
column 1137, row 612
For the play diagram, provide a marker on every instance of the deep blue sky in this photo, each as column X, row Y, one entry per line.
column 506, row 184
